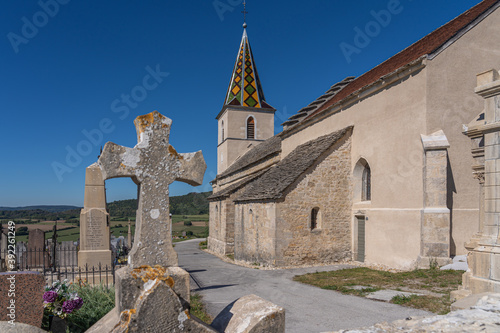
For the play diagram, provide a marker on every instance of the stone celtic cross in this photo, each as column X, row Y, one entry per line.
column 153, row 164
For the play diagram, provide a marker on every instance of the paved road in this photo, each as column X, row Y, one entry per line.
column 308, row 309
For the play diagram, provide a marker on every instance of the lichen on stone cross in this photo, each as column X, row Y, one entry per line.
column 153, row 164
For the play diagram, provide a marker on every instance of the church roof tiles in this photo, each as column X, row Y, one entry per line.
column 316, row 104
column 273, row 183
column 245, row 88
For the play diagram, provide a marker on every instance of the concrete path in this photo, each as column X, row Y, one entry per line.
column 308, row 309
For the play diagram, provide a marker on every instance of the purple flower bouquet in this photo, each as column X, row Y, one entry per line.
column 59, row 301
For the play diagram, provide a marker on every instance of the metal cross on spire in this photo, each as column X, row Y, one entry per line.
column 244, row 14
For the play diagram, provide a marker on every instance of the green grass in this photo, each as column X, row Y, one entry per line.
column 203, row 245
column 73, row 234
column 440, row 282
column 198, row 309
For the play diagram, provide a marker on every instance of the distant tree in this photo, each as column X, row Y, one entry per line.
column 21, row 231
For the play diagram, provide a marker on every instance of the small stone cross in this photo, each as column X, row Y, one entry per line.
column 153, row 164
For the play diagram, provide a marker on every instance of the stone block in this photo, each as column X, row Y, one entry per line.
column 27, row 288
column 251, row 314
column 468, row 302
column 93, row 258
column 486, row 77
column 495, row 266
column 480, row 264
column 480, row 285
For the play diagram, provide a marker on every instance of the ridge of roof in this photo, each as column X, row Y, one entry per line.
column 278, row 178
column 425, row 46
column 317, row 103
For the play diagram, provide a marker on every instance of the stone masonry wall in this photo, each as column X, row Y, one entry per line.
column 255, row 232
column 328, row 186
column 215, row 240
column 221, row 226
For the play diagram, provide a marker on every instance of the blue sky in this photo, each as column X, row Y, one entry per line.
column 67, row 67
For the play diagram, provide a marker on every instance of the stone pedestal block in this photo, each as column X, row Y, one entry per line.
column 93, row 258
column 128, row 287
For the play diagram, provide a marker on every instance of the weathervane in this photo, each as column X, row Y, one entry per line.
column 244, row 14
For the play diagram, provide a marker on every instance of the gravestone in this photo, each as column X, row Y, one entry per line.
column 3, row 250
column 37, row 256
column 21, row 255
column 94, row 222
column 153, row 164
column 25, row 305
column 66, row 254
column 129, row 236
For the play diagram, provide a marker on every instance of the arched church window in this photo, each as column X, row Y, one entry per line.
column 250, row 128
column 315, row 218
column 222, row 126
column 366, row 179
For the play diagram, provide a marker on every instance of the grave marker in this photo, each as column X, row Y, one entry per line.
column 153, row 164
column 37, row 257
column 94, row 222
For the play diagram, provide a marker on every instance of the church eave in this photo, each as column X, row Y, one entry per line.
column 368, row 90
column 245, row 108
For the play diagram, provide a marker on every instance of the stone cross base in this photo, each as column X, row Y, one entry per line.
column 156, row 299
column 151, row 299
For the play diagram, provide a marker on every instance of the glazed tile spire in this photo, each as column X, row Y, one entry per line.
column 245, row 88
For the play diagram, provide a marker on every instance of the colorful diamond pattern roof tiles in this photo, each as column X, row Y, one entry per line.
column 245, row 88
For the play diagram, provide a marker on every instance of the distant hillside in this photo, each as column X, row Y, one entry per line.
column 47, row 208
column 188, row 204
column 39, row 214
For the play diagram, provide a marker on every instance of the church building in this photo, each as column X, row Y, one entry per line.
column 375, row 170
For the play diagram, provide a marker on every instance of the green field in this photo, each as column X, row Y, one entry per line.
column 119, row 227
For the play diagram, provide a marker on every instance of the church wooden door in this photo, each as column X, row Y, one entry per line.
column 361, row 239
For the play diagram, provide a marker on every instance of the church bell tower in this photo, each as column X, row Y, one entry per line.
column 245, row 119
